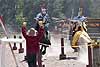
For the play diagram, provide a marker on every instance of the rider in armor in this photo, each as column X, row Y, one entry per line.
column 44, row 18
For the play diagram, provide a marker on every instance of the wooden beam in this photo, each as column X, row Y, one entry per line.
column 93, row 20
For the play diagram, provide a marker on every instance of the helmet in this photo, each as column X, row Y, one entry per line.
column 79, row 24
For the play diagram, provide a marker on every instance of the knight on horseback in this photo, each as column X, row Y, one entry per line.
column 42, row 18
column 81, row 40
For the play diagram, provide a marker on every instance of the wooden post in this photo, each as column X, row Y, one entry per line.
column 90, row 56
column 96, row 55
column 14, row 47
column 62, row 55
column 21, row 50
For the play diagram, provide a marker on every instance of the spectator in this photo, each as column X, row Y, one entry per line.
column 32, row 44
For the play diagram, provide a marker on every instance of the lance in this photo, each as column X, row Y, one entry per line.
column 6, row 34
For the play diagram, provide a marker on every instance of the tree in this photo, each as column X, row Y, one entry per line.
column 8, row 11
column 95, row 9
column 58, row 9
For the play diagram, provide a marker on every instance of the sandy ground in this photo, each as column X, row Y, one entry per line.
column 52, row 55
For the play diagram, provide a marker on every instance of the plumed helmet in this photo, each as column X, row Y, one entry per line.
column 80, row 24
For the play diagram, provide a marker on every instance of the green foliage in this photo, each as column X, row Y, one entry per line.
column 14, row 11
column 95, row 9
column 58, row 8
column 19, row 11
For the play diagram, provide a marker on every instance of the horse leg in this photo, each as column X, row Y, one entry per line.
column 44, row 51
